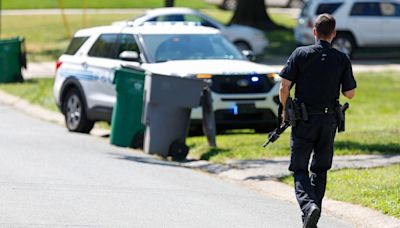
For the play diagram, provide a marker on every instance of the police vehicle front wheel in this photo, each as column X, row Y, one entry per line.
column 345, row 43
column 74, row 112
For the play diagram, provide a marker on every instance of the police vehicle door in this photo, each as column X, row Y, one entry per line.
column 101, row 62
column 366, row 21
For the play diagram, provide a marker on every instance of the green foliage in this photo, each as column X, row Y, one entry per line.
column 377, row 188
column 373, row 127
column 98, row 4
column 240, row 145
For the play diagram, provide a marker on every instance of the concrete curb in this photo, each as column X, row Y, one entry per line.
column 353, row 214
column 31, row 109
column 41, row 113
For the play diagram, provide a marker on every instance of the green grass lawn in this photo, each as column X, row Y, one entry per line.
column 36, row 91
column 373, row 127
column 49, row 4
column 45, row 35
column 377, row 188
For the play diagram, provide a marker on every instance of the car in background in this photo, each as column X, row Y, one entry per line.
column 245, row 94
column 359, row 23
column 244, row 37
column 231, row 4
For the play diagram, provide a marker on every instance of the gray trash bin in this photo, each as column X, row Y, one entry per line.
column 168, row 104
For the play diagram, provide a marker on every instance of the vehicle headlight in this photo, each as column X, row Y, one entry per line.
column 274, row 77
column 204, row 76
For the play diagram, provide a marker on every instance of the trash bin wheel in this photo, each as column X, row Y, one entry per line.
column 137, row 141
column 75, row 114
column 178, row 151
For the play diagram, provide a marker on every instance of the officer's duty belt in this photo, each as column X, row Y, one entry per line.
column 320, row 110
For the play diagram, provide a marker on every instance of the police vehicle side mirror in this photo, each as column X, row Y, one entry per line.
column 129, row 56
column 249, row 55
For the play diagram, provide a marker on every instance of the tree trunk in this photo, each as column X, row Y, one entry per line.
column 253, row 13
column 169, row 3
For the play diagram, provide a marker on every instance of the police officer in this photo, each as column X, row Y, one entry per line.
column 318, row 72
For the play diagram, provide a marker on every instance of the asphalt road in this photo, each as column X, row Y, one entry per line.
column 52, row 178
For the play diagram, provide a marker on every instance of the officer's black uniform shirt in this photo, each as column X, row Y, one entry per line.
column 319, row 72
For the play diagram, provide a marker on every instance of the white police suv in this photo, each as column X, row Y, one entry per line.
column 245, row 94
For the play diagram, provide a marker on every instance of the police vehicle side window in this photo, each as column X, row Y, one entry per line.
column 202, row 21
column 105, row 47
column 75, row 44
column 397, row 13
column 172, row 17
column 366, row 9
column 328, row 8
column 127, row 42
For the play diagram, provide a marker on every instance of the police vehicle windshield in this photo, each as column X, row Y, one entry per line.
column 161, row 48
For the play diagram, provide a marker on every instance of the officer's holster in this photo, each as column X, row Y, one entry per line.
column 341, row 116
column 295, row 111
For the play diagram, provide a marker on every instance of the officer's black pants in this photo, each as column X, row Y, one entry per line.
column 316, row 135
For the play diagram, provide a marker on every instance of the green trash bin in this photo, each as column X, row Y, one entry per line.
column 12, row 59
column 127, row 129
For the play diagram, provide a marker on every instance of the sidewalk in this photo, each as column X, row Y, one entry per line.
column 39, row 70
column 262, row 175
column 47, row 69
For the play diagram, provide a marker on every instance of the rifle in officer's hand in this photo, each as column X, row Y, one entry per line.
column 274, row 135
column 289, row 120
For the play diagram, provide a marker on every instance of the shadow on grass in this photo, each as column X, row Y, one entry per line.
column 45, row 55
column 52, row 53
column 390, row 148
column 211, row 153
column 381, row 53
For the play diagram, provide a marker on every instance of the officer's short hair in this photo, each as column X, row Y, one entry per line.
column 325, row 25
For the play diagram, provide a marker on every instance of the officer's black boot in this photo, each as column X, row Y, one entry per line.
column 312, row 217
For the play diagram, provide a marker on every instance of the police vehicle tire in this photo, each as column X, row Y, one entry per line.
column 229, row 4
column 75, row 114
column 345, row 43
column 242, row 46
column 178, row 151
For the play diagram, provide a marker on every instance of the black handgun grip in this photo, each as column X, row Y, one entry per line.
column 345, row 107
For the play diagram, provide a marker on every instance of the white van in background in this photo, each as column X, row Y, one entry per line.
column 359, row 23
